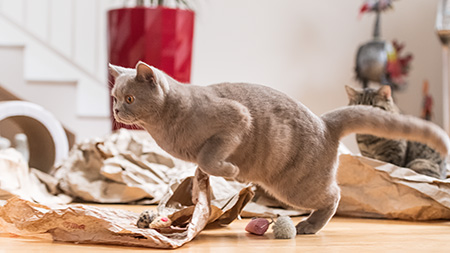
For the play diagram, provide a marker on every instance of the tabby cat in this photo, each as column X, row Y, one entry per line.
column 414, row 155
column 256, row 134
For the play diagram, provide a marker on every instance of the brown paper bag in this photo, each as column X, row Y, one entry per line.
column 375, row 189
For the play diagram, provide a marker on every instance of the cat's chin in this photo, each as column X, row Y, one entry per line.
column 124, row 121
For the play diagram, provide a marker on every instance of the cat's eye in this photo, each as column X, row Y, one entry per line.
column 129, row 99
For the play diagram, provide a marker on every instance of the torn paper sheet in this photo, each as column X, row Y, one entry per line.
column 87, row 224
column 375, row 189
column 223, row 210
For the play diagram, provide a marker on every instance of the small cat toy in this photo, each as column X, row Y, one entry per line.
column 149, row 219
column 283, row 228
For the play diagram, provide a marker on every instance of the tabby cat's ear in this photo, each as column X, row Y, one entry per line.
column 115, row 71
column 144, row 72
column 385, row 91
column 351, row 93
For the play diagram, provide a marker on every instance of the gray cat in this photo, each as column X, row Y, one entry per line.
column 409, row 154
column 256, row 134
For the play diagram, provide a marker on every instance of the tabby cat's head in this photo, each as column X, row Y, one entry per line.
column 138, row 94
column 380, row 97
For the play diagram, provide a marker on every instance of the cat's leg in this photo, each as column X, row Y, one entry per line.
column 212, row 157
column 320, row 216
column 317, row 220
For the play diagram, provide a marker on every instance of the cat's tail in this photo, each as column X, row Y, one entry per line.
column 364, row 119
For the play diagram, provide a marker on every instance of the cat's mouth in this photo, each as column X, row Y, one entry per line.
column 123, row 119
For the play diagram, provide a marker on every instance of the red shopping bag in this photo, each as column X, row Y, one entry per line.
column 160, row 36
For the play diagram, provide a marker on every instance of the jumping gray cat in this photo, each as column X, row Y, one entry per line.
column 409, row 154
column 256, row 134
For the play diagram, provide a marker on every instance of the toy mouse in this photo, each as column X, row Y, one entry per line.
column 283, row 228
column 149, row 219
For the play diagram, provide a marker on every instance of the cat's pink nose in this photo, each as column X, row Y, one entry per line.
column 116, row 111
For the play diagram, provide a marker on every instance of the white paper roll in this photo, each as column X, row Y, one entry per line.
column 30, row 116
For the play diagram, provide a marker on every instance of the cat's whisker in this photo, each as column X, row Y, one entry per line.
column 110, row 84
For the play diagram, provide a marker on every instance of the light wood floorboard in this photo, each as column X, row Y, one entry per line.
column 340, row 235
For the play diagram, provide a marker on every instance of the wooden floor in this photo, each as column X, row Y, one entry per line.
column 340, row 235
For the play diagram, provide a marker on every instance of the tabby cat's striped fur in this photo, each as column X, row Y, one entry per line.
column 409, row 154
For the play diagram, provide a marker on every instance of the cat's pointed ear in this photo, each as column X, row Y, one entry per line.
column 385, row 91
column 351, row 93
column 115, row 71
column 144, row 72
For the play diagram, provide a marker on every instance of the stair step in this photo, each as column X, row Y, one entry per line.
column 50, row 81
column 12, row 45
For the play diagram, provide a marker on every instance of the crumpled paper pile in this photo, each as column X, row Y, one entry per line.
column 88, row 224
column 127, row 166
column 18, row 180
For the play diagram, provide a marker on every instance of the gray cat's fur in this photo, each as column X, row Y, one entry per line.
column 409, row 154
column 254, row 133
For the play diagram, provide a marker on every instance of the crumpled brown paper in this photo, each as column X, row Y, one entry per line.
column 178, row 206
column 127, row 166
column 190, row 213
column 375, row 189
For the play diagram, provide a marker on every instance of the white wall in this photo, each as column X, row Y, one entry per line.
column 307, row 48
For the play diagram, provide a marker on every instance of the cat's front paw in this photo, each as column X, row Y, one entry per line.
column 306, row 228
